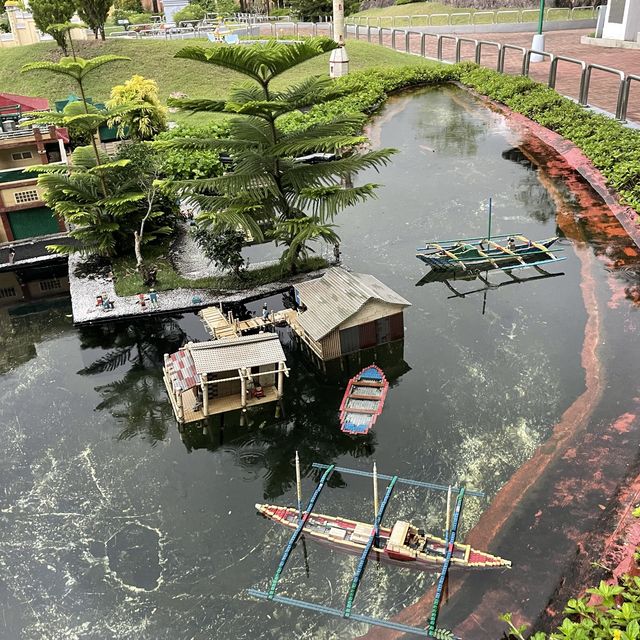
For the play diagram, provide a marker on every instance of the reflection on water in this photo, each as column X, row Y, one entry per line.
column 116, row 525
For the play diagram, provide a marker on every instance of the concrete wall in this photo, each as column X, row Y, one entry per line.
column 9, row 195
column 626, row 14
column 47, row 288
column 7, row 161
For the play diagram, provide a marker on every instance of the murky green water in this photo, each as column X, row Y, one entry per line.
column 113, row 527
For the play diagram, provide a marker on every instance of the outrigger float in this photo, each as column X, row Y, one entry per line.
column 514, row 251
column 403, row 544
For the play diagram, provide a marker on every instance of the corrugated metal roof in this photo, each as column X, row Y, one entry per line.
column 229, row 355
column 336, row 296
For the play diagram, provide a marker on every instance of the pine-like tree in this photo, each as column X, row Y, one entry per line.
column 49, row 14
column 269, row 192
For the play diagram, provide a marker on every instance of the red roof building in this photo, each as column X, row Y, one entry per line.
column 26, row 103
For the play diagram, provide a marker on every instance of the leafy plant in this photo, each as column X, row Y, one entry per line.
column 192, row 12
column 268, row 192
column 145, row 121
column 224, row 247
column 95, row 13
column 47, row 14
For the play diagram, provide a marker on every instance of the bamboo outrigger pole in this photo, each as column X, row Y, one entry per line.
column 299, row 486
column 375, row 490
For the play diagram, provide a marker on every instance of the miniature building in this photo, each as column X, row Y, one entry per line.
column 27, row 225
column 208, row 378
column 346, row 312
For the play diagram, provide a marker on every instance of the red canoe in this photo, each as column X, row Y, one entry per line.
column 363, row 401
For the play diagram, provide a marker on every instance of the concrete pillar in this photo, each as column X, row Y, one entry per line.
column 338, row 21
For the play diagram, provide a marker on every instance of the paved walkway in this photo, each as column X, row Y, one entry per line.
column 603, row 88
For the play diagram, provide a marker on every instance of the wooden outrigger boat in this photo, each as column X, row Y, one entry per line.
column 402, row 543
column 468, row 255
column 363, row 400
column 480, row 254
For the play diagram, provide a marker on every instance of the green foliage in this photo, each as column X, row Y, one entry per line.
column 223, row 247
column 615, row 616
column 365, row 91
column 94, row 13
column 193, row 12
column 53, row 12
column 267, row 193
column 146, row 120
column 190, row 164
column 611, row 147
column 133, row 6
column 313, row 9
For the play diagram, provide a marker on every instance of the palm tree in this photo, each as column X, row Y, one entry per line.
column 268, row 193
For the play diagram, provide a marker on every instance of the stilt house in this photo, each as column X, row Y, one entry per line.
column 207, row 378
column 344, row 312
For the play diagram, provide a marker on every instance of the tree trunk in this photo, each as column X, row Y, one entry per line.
column 102, row 33
column 137, row 239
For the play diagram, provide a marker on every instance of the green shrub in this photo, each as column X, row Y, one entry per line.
column 367, row 90
column 184, row 164
column 192, row 12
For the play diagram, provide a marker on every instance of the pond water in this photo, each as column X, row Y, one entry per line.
column 114, row 526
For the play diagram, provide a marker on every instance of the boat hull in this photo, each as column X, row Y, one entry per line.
column 351, row 536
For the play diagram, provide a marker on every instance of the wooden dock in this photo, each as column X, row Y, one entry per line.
column 222, row 327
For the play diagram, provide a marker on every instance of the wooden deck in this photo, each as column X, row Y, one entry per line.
column 224, row 404
column 219, row 327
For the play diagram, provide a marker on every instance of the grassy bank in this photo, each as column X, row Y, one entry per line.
column 129, row 283
column 154, row 59
column 460, row 15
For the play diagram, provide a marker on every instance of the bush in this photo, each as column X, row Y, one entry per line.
column 192, row 12
column 367, row 90
column 611, row 147
column 182, row 164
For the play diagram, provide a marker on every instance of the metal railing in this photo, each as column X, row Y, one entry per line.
column 475, row 18
column 621, row 104
column 586, row 69
column 627, row 89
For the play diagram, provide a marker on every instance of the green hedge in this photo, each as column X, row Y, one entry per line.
column 368, row 90
column 613, row 148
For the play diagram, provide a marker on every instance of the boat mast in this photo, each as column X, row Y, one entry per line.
column 490, row 211
column 375, row 489
column 448, row 516
column 299, row 486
